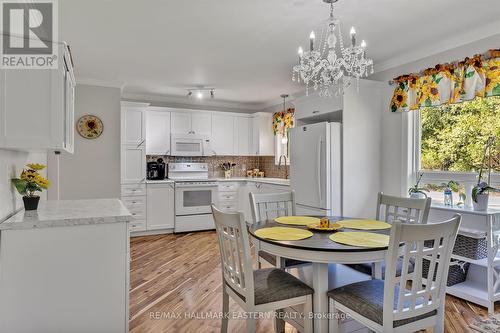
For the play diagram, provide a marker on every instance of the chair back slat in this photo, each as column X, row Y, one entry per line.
column 234, row 247
column 267, row 206
column 419, row 299
column 407, row 210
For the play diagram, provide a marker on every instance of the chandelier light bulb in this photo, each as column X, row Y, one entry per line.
column 199, row 95
column 300, row 51
column 363, row 43
column 312, row 36
column 353, row 36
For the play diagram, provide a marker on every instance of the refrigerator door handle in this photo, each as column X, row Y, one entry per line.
column 320, row 142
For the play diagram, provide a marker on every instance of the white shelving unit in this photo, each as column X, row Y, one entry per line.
column 482, row 285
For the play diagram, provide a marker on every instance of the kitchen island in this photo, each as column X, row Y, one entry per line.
column 65, row 268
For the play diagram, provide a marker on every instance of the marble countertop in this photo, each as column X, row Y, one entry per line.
column 272, row 181
column 59, row 213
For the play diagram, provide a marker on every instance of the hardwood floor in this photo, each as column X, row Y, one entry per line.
column 175, row 277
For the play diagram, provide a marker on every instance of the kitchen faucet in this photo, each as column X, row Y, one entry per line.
column 279, row 165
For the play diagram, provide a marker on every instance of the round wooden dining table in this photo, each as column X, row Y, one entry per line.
column 320, row 251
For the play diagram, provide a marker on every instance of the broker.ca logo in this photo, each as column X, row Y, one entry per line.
column 28, row 33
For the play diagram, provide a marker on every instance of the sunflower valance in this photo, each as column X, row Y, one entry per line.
column 478, row 76
column 283, row 121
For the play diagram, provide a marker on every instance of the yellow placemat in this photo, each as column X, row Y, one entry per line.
column 362, row 239
column 296, row 220
column 283, row 233
column 364, row 224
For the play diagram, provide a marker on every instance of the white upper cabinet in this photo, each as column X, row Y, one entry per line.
column 133, row 139
column 314, row 105
column 157, row 131
column 223, row 136
column 262, row 134
column 201, row 123
column 37, row 106
column 244, row 135
column 133, row 123
column 188, row 122
column 133, row 164
column 181, row 123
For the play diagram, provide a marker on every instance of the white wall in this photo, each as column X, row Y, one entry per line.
column 93, row 171
column 11, row 165
column 395, row 134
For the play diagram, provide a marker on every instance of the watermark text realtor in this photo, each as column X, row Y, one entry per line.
column 28, row 34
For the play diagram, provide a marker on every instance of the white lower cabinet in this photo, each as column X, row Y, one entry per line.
column 160, row 206
column 228, row 197
column 71, row 278
column 248, row 187
column 134, row 198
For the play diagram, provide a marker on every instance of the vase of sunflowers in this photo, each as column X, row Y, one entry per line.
column 30, row 182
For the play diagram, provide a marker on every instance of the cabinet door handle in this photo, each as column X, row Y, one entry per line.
column 316, row 111
column 167, row 152
column 140, row 143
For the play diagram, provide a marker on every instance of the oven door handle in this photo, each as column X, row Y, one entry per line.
column 197, row 185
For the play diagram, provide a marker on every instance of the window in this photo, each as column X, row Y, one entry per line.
column 450, row 142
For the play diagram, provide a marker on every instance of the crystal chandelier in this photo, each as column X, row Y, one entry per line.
column 322, row 68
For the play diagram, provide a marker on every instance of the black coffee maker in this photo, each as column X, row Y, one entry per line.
column 155, row 170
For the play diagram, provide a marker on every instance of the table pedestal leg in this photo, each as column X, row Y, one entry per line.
column 377, row 267
column 320, row 300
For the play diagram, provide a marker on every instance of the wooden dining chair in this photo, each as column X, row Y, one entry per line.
column 393, row 305
column 262, row 290
column 406, row 210
column 267, row 206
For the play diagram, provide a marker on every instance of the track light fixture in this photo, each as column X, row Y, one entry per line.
column 200, row 93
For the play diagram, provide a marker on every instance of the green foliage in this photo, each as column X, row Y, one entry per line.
column 20, row 185
column 453, row 136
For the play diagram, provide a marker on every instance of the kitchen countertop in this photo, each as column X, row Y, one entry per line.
column 272, row 181
column 59, row 213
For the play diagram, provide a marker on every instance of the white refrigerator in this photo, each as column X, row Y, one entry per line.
column 316, row 168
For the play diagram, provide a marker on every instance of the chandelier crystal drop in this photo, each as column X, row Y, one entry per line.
column 323, row 68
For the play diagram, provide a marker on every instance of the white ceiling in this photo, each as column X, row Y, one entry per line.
column 245, row 49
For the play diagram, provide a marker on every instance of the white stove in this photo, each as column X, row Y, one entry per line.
column 194, row 194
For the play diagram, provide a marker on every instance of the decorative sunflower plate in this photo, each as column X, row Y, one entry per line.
column 331, row 227
column 89, row 126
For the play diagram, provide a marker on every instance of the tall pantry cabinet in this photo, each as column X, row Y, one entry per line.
column 133, row 162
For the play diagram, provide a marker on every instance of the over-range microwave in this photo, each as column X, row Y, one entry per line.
column 190, row 145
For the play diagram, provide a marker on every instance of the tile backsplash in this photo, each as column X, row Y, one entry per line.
column 243, row 163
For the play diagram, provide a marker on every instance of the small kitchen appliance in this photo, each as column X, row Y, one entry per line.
column 155, row 170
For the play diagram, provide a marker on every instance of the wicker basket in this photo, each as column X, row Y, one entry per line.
column 457, row 271
column 468, row 247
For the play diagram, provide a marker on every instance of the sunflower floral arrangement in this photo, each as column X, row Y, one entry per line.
column 30, row 182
